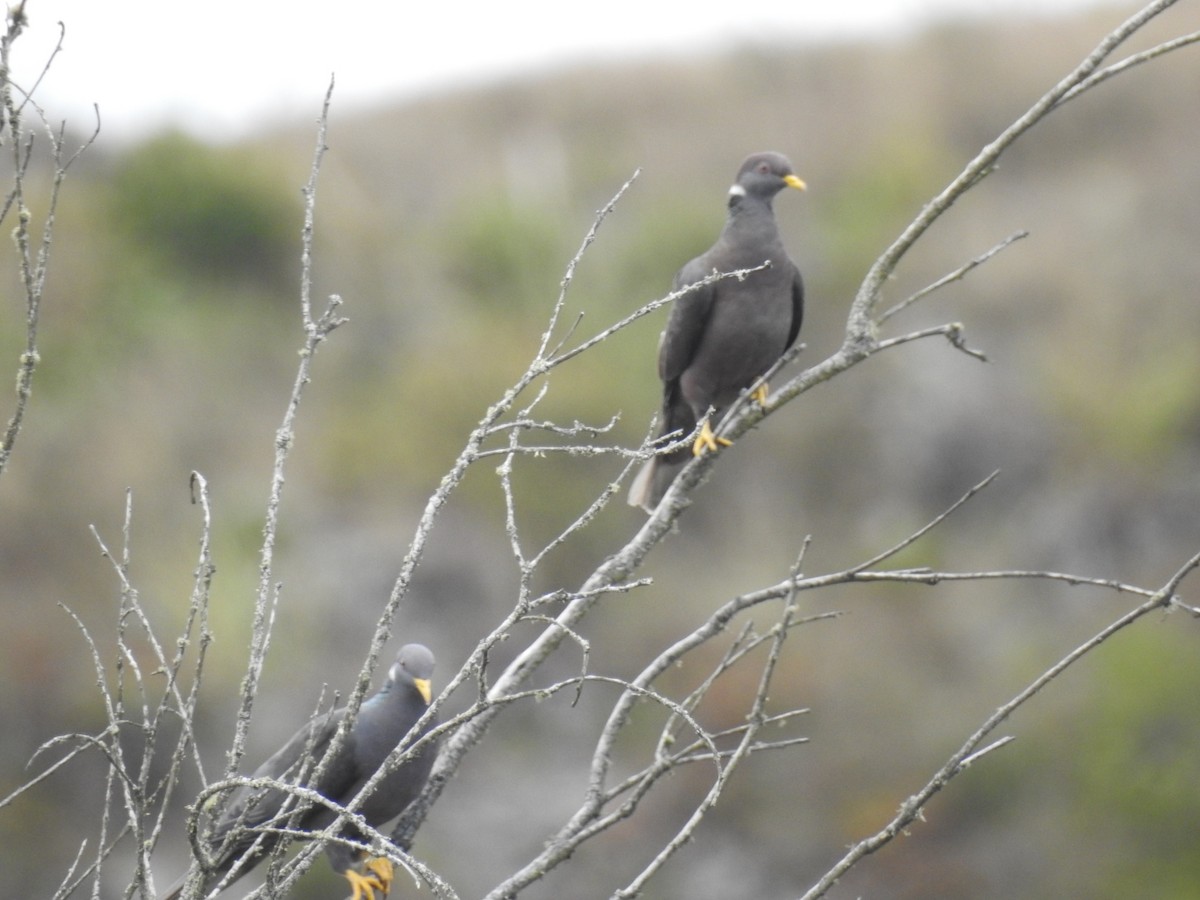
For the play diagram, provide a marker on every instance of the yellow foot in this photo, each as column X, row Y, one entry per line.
column 381, row 871
column 760, row 394
column 706, row 440
column 379, row 879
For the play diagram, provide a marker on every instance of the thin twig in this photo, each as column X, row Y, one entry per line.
column 267, row 593
column 602, row 214
column 957, row 275
column 928, row 526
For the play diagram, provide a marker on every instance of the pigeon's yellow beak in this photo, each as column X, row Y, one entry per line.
column 793, row 181
column 424, row 687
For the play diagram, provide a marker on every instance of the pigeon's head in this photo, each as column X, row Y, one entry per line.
column 413, row 665
column 764, row 175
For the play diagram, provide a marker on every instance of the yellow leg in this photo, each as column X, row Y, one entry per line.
column 364, row 888
column 760, row 394
column 379, row 879
column 382, row 872
column 706, row 440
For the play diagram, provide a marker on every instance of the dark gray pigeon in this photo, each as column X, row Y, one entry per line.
column 383, row 721
column 721, row 337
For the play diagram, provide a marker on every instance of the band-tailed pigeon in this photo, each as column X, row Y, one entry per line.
column 723, row 336
column 383, row 721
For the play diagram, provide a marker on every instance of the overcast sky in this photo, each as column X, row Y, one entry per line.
column 221, row 68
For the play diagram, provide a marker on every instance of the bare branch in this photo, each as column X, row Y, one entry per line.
column 745, row 747
column 267, row 593
column 860, row 328
column 569, row 276
column 911, row 809
column 952, row 332
column 644, row 310
column 310, row 209
column 1130, row 61
column 33, row 252
column 957, row 275
column 929, row 526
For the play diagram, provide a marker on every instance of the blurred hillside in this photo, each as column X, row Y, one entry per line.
column 168, row 344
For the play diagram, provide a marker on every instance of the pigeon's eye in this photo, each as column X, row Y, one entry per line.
column 763, row 168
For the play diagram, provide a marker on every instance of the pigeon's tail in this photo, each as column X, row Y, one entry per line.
column 652, row 482
column 659, row 471
column 641, row 491
column 210, row 881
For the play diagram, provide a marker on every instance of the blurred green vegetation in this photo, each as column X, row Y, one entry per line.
column 1136, row 739
column 208, row 212
column 504, row 258
column 169, row 345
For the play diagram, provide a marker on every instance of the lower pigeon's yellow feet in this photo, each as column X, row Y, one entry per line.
column 379, row 879
column 364, row 888
column 706, row 440
column 760, row 394
column 382, row 870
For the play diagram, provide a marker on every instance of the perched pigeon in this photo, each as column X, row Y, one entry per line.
column 723, row 336
column 383, row 721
